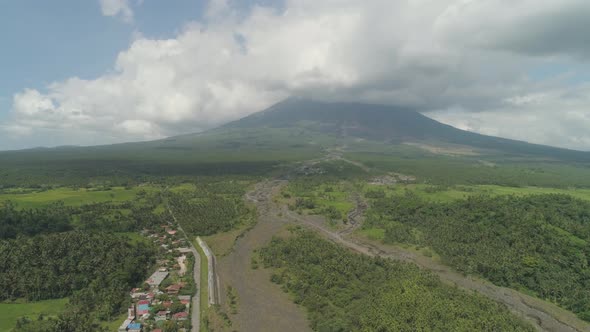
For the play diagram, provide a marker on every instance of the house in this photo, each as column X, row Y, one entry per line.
column 137, row 295
column 171, row 232
column 173, row 289
column 157, row 330
column 134, row 327
column 143, row 307
column 167, row 304
column 185, row 299
column 161, row 315
column 180, row 316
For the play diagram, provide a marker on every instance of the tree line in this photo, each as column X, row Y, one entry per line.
column 538, row 243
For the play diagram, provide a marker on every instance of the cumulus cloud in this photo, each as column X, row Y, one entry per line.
column 531, row 27
column 556, row 117
column 442, row 57
column 120, row 8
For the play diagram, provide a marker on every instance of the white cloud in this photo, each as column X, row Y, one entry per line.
column 428, row 54
column 558, row 117
column 119, row 8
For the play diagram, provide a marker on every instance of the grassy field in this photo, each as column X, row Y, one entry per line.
column 114, row 325
column 374, row 234
column 10, row 312
column 69, row 196
column 332, row 195
column 447, row 194
column 134, row 237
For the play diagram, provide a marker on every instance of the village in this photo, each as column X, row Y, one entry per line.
column 163, row 302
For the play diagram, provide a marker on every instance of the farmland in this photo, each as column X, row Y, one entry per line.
column 32, row 198
column 11, row 312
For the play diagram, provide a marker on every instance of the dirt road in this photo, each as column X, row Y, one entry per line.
column 262, row 305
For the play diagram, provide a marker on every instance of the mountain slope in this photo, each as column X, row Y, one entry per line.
column 297, row 130
column 388, row 124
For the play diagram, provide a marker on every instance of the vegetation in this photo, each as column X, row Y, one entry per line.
column 443, row 194
column 86, row 251
column 124, row 216
column 537, row 243
column 52, row 219
column 95, row 270
column 78, row 264
column 210, row 208
column 12, row 311
column 448, row 171
column 343, row 291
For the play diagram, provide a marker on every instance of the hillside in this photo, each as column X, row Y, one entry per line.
column 389, row 124
column 384, row 137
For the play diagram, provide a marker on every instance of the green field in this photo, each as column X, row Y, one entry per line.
column 10, row 312
column 114, row 325
column 72, row 197
column 326, row 197
column 134, row 237
column 375, row 234
column 444, row 194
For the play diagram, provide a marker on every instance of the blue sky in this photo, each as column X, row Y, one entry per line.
column 47, row 41
column 520, row 73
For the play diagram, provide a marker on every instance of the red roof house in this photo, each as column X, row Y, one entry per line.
column 180, row 316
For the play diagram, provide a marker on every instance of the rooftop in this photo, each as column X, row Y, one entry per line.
column 156, row 278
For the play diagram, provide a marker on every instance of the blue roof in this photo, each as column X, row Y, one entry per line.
column 134, row 326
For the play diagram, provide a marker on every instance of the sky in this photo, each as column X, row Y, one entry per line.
column 108, row 71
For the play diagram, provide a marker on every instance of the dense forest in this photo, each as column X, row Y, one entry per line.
column 58, row 251
column 51, row 219
column 210, row 208
column 95, row 270
column 535, row 243
column 58, row 265
column 343, row 291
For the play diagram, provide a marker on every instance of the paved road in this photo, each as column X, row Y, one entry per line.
column 212, row 278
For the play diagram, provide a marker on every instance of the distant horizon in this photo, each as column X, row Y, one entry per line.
column 267, row 108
